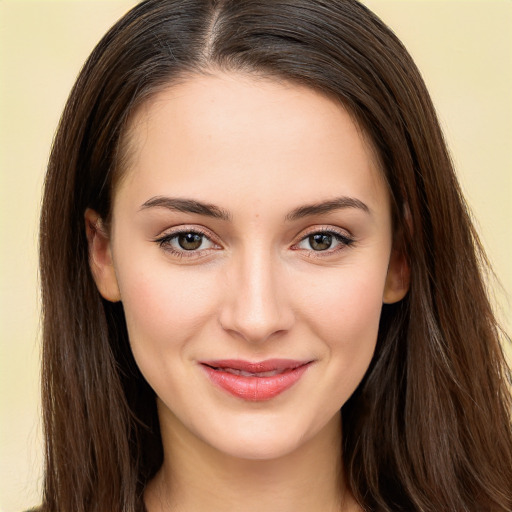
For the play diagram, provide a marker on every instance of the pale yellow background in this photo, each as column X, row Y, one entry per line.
column 463, row 47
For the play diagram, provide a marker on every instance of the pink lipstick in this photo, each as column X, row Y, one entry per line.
column 255, row 381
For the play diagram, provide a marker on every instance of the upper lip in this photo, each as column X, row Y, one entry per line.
column 268, row 365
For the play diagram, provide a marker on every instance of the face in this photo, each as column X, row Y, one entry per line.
column 251, row 247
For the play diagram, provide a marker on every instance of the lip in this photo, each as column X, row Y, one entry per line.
column 255, row 381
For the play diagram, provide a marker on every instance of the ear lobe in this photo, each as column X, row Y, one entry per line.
column 397, row 279
column 100, row 257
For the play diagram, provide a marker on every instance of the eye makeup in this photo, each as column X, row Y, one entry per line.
column 323, row 242
column 195, row 242
column 185, row 242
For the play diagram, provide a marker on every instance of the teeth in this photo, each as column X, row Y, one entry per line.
column 243, row 373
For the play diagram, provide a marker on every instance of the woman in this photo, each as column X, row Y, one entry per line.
column 250, row 223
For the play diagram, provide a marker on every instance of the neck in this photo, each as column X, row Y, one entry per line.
column 196, row 477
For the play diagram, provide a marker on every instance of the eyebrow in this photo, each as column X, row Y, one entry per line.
column 187, row 206
column 327, row 207
column 210, row 210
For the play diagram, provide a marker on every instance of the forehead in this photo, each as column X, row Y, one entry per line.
column 214, row 133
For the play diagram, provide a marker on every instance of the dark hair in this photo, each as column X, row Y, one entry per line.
column 428, row 428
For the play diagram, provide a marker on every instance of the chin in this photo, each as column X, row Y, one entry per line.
column 262, row 447
column 267, row 438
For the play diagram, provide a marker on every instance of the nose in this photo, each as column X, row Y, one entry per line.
column 256, row 305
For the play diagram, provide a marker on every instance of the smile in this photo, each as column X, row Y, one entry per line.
column 255, row 381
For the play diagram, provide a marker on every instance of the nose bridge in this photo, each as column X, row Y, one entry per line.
column 257, row 306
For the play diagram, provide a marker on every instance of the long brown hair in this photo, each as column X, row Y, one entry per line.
column 429, row 427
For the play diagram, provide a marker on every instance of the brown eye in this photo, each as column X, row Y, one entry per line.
column 190, row 241
column 186, row 243
column 320, row 241
column 327, row 242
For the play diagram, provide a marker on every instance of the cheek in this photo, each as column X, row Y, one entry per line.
column 345, row 312
column 164, row 306
column 345, row 299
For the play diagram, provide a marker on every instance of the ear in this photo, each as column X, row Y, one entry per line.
column 397, row 279
column 100, row 257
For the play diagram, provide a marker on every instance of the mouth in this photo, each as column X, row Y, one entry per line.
column 257, row 381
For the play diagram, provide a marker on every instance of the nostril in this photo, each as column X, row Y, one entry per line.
column 256, row 325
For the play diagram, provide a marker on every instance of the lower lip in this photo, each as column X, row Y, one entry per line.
column 255, row 389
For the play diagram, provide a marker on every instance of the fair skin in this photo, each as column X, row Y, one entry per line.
column 251, row 223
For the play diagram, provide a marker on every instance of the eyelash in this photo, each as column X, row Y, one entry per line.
column 345, row 240
column 165, row 242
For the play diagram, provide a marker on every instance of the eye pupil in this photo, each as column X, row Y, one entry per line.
column 190, row 241
column 320, row 241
